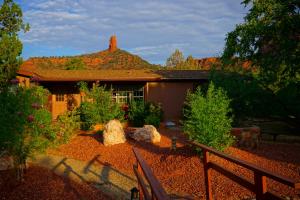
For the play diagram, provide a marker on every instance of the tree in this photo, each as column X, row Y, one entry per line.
column 25, row 124
column 11, row 22
column 270, row 39
column 175, row 59
column 191, row 63
column 207, row 119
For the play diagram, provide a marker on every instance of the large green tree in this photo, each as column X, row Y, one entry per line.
column 11, row 23
column 270, row 39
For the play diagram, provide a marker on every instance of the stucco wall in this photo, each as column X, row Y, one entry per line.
column 59, row 107
column 23, row 81
column 171, row 95
column 68, row 90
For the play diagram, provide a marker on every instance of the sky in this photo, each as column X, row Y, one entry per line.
column 152, row 29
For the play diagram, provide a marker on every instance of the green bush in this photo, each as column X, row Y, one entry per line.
column 98, row 106
column 25, row 123
column 207, row 119
column 67, row 124
column 141, row 113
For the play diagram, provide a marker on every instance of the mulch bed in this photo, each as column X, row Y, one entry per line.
column 181, row 172
column 41, row 183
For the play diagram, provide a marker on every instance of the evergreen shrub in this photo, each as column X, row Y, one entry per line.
column 207, row 117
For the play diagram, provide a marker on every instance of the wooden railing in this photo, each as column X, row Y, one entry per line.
column 259, row 187
column 142, row 168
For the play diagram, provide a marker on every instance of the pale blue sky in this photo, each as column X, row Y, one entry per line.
column 152, row 29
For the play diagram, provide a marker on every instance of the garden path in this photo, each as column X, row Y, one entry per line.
column 109, row 180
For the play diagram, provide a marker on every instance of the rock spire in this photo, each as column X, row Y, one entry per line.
column 113, row 43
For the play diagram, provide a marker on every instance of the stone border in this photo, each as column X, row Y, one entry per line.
column 280, row 138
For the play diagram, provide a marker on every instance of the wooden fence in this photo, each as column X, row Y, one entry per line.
column 143, row 172
column 259, row 187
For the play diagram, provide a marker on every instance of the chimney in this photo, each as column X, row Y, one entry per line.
column 113, row 43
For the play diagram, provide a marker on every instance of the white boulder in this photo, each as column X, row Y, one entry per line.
column 113, row 133
column 148, row 134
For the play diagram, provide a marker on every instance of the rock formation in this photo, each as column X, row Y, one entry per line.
column 113, row 43
column 113, row 133
column 148, row 134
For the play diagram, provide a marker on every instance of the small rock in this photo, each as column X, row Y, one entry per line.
column 148, row 134
column 113, row 133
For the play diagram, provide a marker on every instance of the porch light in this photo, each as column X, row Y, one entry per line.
column 134, row 194
column 173, row 143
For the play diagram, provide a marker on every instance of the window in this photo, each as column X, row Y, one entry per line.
column 60, row 97
column 124, row 95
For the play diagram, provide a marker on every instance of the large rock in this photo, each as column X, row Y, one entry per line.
column 113, row 133
column 148, row 134
column 6, row 162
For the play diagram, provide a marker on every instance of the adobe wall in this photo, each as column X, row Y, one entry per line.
column 69, row 92
column 171, row 95
column 23, row 81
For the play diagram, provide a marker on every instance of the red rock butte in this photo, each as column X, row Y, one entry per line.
column 113, row 43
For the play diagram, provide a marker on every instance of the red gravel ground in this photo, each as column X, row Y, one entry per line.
column 181, row 172
column 41, row 183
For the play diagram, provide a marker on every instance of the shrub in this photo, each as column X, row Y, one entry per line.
column 67, row 124
column 25, row 123
column 141, row 113
column 98, row 106
column 136, row 113
column 207, row 118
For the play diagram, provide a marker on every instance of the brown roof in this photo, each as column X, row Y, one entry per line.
column 116, row 75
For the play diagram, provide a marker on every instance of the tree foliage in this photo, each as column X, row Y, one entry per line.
column 249, row 99
column 177, row 62
column 25, row 123
column 270, row 39
column 175, row 59
column 207, row 119
column 11, row 22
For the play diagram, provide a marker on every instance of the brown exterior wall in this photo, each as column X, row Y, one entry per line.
column 24, row 81
column 59, row 107
column 171, row 95
column 69, row 92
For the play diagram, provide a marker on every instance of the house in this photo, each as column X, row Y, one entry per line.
column 167, row 87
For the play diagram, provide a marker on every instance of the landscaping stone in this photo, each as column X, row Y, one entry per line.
column 247, row 136
column 148, row 134
column 113, row 133
column 6, row 162
column 288, row 138
column 267, row 137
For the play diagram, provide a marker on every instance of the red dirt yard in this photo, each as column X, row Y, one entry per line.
column 41, row 183
column 181, row 172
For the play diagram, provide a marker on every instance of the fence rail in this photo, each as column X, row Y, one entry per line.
column 259, row 187
column 142, row 168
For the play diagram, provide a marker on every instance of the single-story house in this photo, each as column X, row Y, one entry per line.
column 167, row 87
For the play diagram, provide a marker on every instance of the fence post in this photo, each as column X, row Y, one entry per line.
column 207, row 175
column 260, row 185
column 141, row 194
